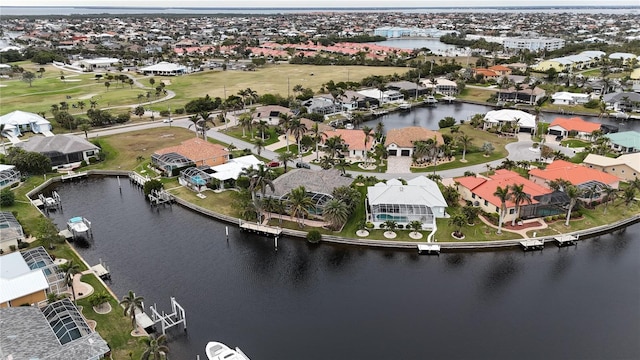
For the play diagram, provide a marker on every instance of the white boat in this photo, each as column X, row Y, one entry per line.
column 219, row 351
column 78, row 225
column 430, row 100
column 405, row 106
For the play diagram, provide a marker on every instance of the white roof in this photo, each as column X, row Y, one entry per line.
column 372, row 93
column 4, row 167
column 563, row 95
column 234, row 167
column 17, row 279
column 101, row 60
column 418, row 191
column 525, row 119
column 631, row 160
column 619, row 55
column 164, row 66
column 22, row 118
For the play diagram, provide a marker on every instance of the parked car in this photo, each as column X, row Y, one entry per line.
column 303, row 165
column 167, row 120
column 273, row 164
column 559, row 138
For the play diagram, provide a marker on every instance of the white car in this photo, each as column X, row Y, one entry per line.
column 168, row 120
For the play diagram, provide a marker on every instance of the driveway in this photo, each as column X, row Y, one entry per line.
column 399, row 164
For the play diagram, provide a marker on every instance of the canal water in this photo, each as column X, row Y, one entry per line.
column 334, row 302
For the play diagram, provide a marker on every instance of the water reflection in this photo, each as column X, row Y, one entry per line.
column 499, row 274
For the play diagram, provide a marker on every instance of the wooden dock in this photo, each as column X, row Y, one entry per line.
column 260, row 229
column 72, row 175
column 137, row 179
column 532, row 244
column 428, row 249
column 101, row 271
column 566, row 240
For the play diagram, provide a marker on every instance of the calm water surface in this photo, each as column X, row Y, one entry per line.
column 332, row 302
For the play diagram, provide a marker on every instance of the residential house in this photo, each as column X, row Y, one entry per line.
column 201, row 152
column 270, row 113
column 501, row 70
column 485, row 73
column 583, row 177
column 19, row 284
column 623, row 101
column 419, row 200
column 17, row 122
column 401, row 142
column 170, row 163
column 321, row 105
column 97, row 63
column 521, row 120
column 568, row 98
column 626, row 167
column 442, row 86
column 625, row 141
column 573, row 126
column 384, row 97
column 11, row 232
column 525, row 95
column 231, row 170
column 63, row 150
column 409, row 88
column 480, row 192
column 354, row 141
column 58, row 331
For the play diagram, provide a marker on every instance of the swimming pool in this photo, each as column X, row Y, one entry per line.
column 385, row 217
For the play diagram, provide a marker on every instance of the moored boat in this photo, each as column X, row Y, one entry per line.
column 219, row 351
column 78, row 225
column 430, row 100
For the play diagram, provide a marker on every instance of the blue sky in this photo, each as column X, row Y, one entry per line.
column 314, row 3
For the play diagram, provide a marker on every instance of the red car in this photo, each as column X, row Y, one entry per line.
column 273, row 164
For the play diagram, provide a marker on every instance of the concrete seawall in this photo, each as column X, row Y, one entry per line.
column 475, row 245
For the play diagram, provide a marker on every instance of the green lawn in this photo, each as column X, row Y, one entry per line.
column 574, row 143
column 270, row 137
column 477, row 232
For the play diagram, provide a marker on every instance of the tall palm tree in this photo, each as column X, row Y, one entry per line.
column 503, row 195
column 518, row 196
column 609, row 196
column 342, row 164
column 299, row 204
column 334, row 146
column 368, row 134
column 573, row 192
column 285, row 123
column 2, row 135
column 379, row 131
column 336, row 212
column 70, row 269
column 261, row 126
column 259, row 145
column 629, row 195
column 415, row 225
column 260, row 178
column 298, row 129
column 131, row 303
column 194, row 119
column 155, row 348
column 317, row 137
column 465, row 141
column 284, row 158
column 245, row 120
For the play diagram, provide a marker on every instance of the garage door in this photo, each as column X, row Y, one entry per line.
column 393, row 152
column 405, row 152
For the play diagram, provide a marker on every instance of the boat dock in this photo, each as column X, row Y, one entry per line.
column 566, row 240
column 137, row 179
column 429, row 249
column 532, row 244
column 52, row 202
column 73, row 175
column 176, row 317
column 160, row 198
column 101, row 270
column 260, row 229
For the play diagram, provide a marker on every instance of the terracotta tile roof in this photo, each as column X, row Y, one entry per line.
column 575, row 174
column 354, row 138
column 575, row 123
column 499, row 68
column 485, row 72
column 405, row 137
column 484, row 188
column 200, row 151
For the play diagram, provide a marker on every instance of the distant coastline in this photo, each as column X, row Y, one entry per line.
column 113, row 10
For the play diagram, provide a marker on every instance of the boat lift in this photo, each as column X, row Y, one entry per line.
column 176, row 317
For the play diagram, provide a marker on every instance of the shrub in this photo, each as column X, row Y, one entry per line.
column 12, row 247
column 446, row 122
column 314, row 236
column 369, row 225
column 400, row 226
column 152, row 185
column 7, row 197
column 179, row 111
column 83, row 163
column 548, row 219
column 23, row 245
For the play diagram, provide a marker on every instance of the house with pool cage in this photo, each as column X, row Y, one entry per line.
column 418, row 199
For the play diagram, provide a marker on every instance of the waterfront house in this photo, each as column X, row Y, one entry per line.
column 626, row 167
column 419, row 200
column 480, row 192
column 354, row 141
column 9, row 175
column 63, row 150
column 231, row 170
column 622, row 101
column 401, row 142
column 17, row 122
column 19, row 284
column 568, row 98
column 574, row 126
column 524, row 95
column 199, row 151
column 442, row 86
column 521, row 120
column 585, row 178
column 411, row 89
column 322, row 105
column 170, row 163
column 625, row 141
column 319, row 185
column 58, row 331
column 384, row 97
column 501, row 70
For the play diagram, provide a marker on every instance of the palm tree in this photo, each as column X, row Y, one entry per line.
column 465, row 141
column 518, row 196
column 261, row 178
column 336, row 212
column 245, row 120
column 285, row 123
column 368, row 134
column 131, row 304
column 415, row 225
column 458, row 221
column 379, row 131
column 326, row 162
column 342, row 164
column 629, row 195
column 70, row 269
column 573, row 192
column 2, row 135
column 317, row 137
column 194, row 119
column 504, row 195
column 298, row 129
column 299, row 204
column 333, row 146
column 390, row 225
column 609, row 196
column 284, row 158
column 156, row 348
column 262, row 126
column 259, row 145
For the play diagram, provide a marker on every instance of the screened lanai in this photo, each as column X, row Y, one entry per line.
column 38, row 258
column 10, row 231
column 8, row 175
column 195, row 178
column 169, row 162
column 66, row 321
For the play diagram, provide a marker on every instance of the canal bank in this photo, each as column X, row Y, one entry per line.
column 123, row 176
